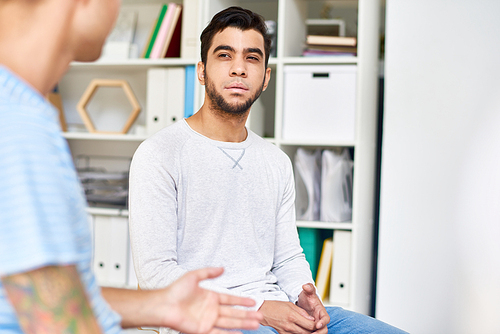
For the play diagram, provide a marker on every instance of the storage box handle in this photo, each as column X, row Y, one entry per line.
column 321, row 75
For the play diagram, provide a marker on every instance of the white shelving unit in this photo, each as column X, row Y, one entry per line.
column 290, row 16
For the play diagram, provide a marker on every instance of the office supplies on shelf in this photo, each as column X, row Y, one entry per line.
column 326, row 27
column 155, row 29
column 165, row 97
column 324, row 269
column 189, row 91
column 341, row 267
column 310, row 241
column 330, row 40
column 172, row 46
column 102, row 187
column 336, row 186
column 307, row 182
column 111, row 246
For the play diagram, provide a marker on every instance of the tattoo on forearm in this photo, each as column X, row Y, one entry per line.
column 50, row 300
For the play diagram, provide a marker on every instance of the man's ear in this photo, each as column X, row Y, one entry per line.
column 200, row 69
column 267, row 78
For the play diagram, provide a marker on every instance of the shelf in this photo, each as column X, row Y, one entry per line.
column 107, row 212
column 135, row 63
column 118, row 286
column 325, row 225
column 314, row 143
column 323, row 60
column 103, row 136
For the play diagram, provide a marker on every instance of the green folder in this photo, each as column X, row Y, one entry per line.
column 311, row 241
column 155, row 32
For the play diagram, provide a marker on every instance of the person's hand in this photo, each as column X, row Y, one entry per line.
column 310, row 302
column 191, row 309
column 286, row 317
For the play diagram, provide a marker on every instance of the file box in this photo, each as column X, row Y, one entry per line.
column 319, row 103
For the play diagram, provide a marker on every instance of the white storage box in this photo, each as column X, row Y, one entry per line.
column 319, row 103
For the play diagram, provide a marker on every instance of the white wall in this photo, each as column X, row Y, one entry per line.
column 439, row 241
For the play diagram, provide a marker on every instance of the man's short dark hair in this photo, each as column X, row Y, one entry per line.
column 236, row 17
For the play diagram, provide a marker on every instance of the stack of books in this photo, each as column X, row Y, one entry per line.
column 165, row 36
column 320, row 45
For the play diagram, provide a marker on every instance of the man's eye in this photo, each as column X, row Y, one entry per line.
column 223, row 55
column 253, row 58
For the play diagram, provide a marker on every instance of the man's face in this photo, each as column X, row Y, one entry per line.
column 235, row 73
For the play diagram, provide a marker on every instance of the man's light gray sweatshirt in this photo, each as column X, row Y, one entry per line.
column 196, row 202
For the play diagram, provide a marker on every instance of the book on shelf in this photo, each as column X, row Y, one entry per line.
column 322, row 50
column 325, row 269
column 163, row 32
column 330, row 40
column 155, row 30
column 190, row 28
column 165, row 36
column 323, row 53
column 148, row 41
column 172, row 46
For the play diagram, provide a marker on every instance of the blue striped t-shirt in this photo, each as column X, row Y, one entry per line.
column 42, row 207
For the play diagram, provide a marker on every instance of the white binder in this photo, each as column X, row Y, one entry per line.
column 165, row 97
column 102, row 229
column 341, row 268
column 111, row 248
column 118, row 251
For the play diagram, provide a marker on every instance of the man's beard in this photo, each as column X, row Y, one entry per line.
column 218, row 102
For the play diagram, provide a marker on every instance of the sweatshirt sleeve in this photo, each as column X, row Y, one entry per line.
column 290, row 265
column 153, row 219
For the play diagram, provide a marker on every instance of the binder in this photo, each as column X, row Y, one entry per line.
column 102, row 229
column 111, row 247
column 189, row 91
column 310, row 242
column 165, row 97
column 325, row 269
column 341, row 268
column 118, row 251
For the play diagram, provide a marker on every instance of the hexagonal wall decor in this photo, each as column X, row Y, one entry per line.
column 89, row 93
